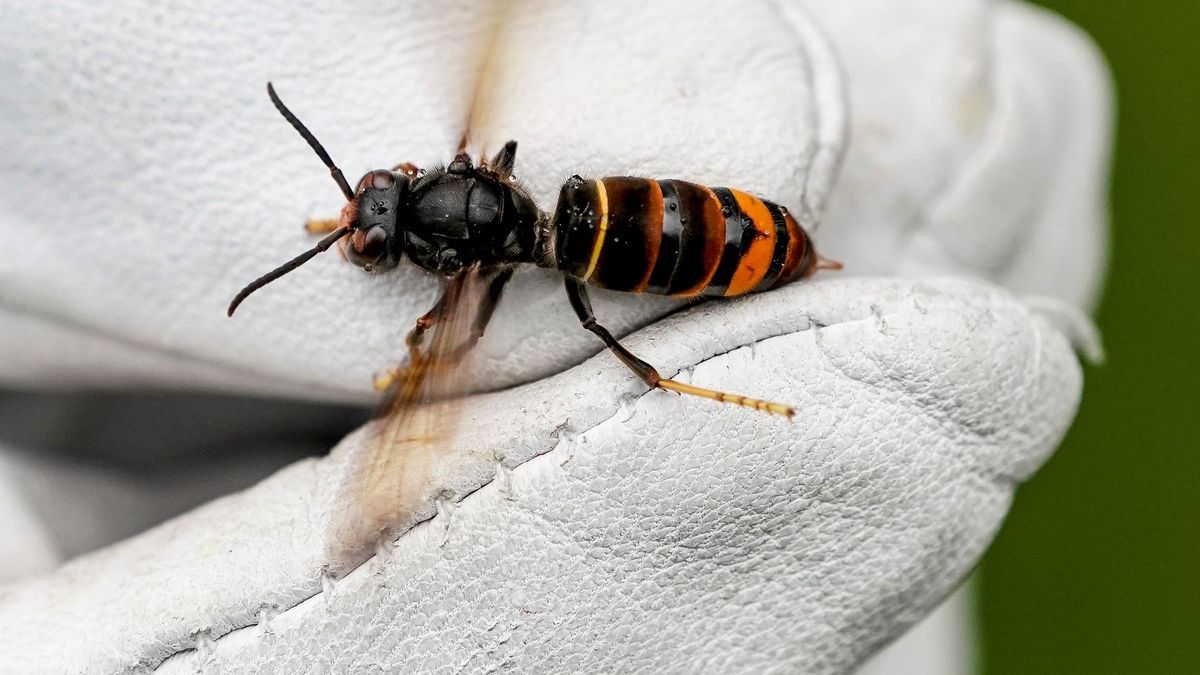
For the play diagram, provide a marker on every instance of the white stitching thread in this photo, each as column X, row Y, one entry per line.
column 568, row 438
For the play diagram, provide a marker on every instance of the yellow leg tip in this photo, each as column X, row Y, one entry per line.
column 321, row 225
column 769, row 407
column 385, row 381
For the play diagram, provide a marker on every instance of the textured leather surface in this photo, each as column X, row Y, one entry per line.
column 635, row 529
column 191, row 185
column 979, row 143
column 644, row 531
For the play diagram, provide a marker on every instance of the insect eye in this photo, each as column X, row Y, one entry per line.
column 367, row 247
column 376, row 180
column 382, row 180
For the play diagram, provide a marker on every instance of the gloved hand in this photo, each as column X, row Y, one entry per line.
column 582, row 523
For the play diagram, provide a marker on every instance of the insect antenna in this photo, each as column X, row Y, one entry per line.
column 312, row 142
column 325, row 243
column 286, row 267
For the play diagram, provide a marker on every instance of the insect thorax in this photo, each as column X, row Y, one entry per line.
column 454, row 220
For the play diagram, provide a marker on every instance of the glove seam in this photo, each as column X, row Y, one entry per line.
column 566, row 438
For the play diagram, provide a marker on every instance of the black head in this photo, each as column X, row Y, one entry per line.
column 371, row 217
column 444, row 220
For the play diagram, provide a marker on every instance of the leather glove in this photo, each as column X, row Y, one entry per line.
column 579, row 523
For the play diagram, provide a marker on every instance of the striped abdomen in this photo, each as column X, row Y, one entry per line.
column 671, row 237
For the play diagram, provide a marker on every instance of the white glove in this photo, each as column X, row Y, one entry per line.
column 600, row 527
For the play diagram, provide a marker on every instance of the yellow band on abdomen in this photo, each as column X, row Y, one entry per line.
column 602, row 205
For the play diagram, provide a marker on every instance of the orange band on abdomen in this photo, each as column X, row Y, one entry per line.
column 756, row 258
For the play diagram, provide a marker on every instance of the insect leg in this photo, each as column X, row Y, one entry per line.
column 413, row 341
column 487, row 307
column 321, row 225
column 505, row 159
column 408, row 169
column 483, row 315
column 577, row 294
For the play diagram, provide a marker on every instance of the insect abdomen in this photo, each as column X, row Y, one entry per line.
column 671, row 237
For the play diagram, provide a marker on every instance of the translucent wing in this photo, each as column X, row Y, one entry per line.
column 386, row 488
column 386, row 482
column 484, row 95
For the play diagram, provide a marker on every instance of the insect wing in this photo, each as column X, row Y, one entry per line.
column 386, row 486
column 484, row 95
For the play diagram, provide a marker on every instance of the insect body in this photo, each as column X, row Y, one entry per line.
column 671, row 237
column 470, row 222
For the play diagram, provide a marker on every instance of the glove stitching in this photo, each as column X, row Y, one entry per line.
column 618, row 416
column 570, row 437
column 620, row 413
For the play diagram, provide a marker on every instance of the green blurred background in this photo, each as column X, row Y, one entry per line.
column 1097, row 569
